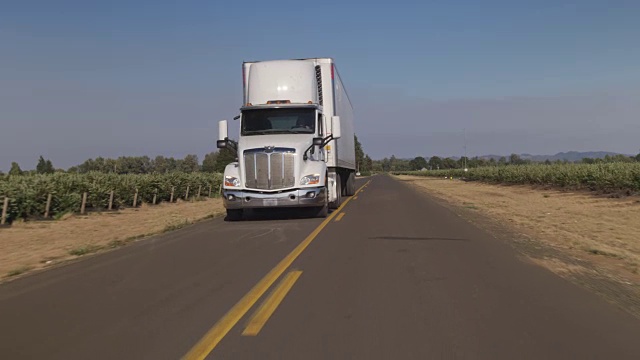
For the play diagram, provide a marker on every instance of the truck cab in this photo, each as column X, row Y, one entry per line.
column 287, row 141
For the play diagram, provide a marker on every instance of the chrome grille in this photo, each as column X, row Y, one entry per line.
column 269, row 170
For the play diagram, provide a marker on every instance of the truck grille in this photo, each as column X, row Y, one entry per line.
column 269, row 170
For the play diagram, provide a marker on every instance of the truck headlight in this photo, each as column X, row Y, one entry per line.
column 310, row 179
column 231, row 181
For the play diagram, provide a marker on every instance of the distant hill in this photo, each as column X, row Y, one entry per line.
column 569, row 156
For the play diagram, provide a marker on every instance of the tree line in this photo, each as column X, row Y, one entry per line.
column 436, row 162
column 213, row 162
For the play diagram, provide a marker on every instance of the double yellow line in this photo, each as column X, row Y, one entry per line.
column 211, row 339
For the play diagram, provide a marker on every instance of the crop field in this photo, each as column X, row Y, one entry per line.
column 28, row 194
column 597, row 177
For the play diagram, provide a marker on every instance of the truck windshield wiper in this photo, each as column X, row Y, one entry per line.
column 276, row 131
column 262, row 132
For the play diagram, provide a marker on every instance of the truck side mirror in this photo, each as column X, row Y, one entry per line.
column 317, row 141
column 223, row 134
column 335, row 127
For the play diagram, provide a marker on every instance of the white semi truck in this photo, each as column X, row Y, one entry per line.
column 296, row 143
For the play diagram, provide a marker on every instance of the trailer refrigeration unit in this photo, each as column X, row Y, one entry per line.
column 296, row 143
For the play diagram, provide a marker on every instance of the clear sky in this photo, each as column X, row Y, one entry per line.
column 81, row 79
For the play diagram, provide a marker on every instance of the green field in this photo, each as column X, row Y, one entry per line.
column 598, row 177
column 28, row 193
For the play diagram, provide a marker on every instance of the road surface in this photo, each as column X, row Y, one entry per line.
column 392, row 275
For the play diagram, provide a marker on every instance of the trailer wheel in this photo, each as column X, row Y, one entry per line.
column 351, row 185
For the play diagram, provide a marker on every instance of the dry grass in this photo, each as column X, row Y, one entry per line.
column 31, row 245
column 603, row 231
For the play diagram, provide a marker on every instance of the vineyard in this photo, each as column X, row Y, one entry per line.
column 28, row 194
column 597, row 177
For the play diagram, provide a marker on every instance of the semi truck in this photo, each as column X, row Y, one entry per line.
column 295, row 146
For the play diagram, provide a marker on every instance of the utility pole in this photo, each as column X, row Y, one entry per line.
column 465, row 149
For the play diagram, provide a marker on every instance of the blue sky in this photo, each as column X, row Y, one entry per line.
column 81, row 79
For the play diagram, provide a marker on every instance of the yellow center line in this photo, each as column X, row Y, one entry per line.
column 270, row 304
column 340, row 216
column 211, row 339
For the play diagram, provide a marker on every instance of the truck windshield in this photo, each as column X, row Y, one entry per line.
column 278, row 121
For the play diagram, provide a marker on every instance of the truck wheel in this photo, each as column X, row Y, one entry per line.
column 234, row 214
column 323, row 211
column 336, row 204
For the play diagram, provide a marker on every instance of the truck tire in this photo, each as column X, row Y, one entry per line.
column 234, row 214
column 351, row 185
column 336, row 204
column 323, row 211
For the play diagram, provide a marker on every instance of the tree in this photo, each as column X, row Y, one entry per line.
column 359, row 152
column 377, row 166
column 131, row 165
column 44, row 166
column 515, row 159
column 435, row 163
column 224, row 158
column 15, row 169
column 418, row 163
column 638, row 157
column 368, row 164
column 462, row 161
column 100, row 164
column 88, row 165
column 448, row 163
column 502, row 161
column 41, row 165
column 392, row 163
column 159, row 165
column 190, row 163
column 209, row 162
column 547, row 162
column 110, row 166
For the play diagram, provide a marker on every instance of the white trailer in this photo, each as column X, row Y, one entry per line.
column 296, row 142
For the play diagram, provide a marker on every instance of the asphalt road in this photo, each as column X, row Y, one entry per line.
column 392, row 275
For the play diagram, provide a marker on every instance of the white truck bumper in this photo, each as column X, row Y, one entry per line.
column 239, row 199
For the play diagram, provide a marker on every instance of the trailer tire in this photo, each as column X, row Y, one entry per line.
column 351, row 184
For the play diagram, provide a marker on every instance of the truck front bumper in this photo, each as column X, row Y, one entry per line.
column 238, row 199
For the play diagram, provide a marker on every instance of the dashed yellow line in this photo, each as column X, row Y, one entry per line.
column 220, row 329
column 340, row 216
column 270, row 304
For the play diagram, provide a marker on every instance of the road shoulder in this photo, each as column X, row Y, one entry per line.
column 32, row 246
column 544, row 226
